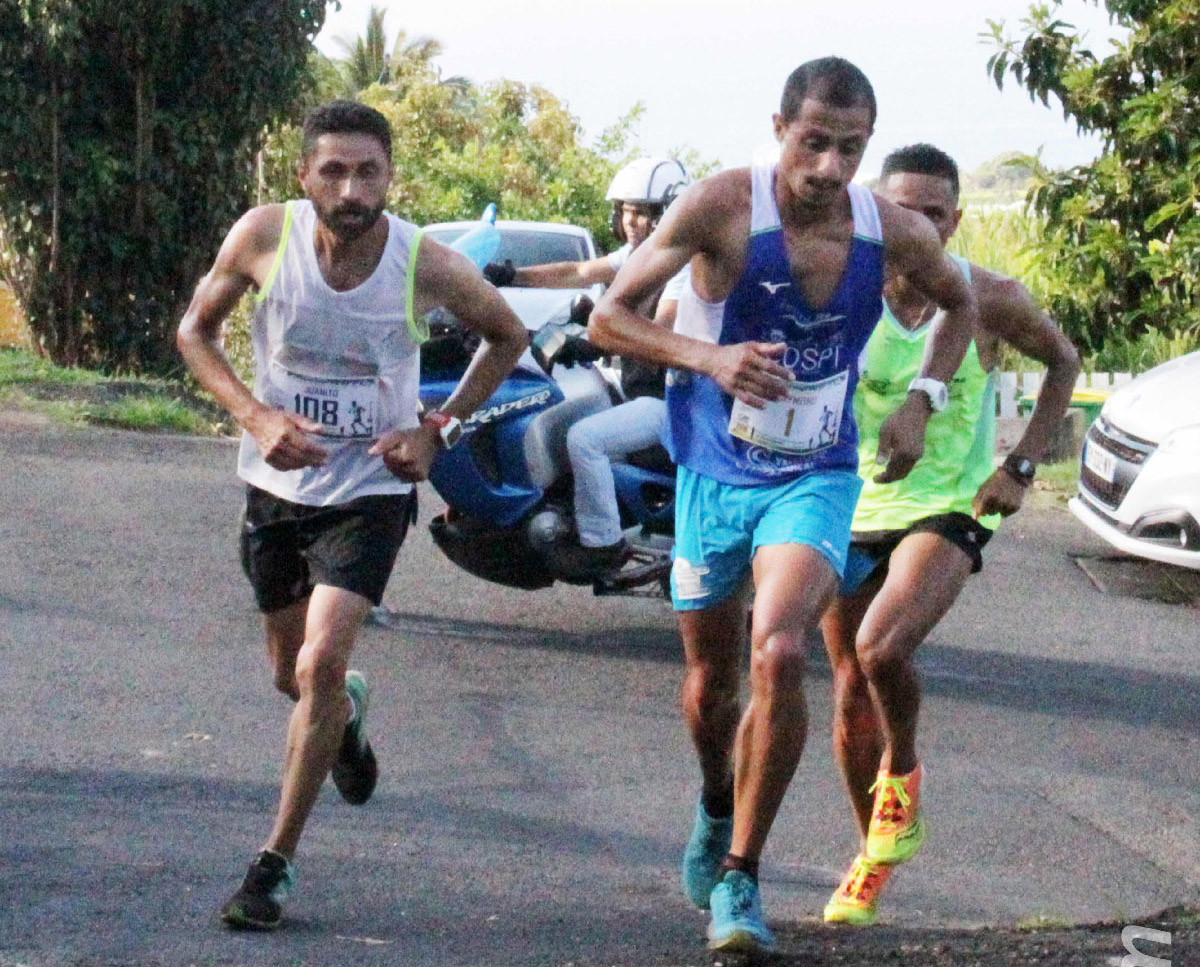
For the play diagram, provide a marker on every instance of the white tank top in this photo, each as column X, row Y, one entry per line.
column 349, row 360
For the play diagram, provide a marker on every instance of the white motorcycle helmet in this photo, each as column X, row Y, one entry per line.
column 646, row 181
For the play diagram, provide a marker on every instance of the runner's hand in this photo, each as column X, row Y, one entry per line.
column 1000, row 494
column 902, row 439
column 409, row 453
column 283, row 439
column 751, row 371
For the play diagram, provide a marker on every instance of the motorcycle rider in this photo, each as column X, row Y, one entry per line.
column 640, row 193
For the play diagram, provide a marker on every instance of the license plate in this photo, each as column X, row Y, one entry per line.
column 1098, row 460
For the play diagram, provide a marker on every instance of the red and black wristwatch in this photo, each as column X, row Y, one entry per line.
column 449, row 427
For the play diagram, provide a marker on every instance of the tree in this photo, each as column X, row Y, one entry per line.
column 127, row 137
column 1122, row 240
column 458, row 147
column 368, row 62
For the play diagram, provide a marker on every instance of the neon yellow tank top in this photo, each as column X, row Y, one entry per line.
column 959, row 442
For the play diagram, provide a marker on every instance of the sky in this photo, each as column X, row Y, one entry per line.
column 710, row 72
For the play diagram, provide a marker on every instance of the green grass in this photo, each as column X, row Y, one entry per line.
column 1060, row 477
column 21, row 367
column 85, row 397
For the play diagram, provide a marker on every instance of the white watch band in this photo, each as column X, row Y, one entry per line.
column 935, row 389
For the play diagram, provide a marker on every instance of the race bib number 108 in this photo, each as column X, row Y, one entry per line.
column 345, row 408
column 809, row 419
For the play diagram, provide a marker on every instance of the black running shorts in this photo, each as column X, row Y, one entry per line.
column 870, row 550
column 288, row 549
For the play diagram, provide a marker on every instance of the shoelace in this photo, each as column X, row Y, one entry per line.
column 741, row 896
column 891, row 811
column 865, row 881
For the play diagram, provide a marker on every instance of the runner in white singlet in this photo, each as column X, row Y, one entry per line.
column 332, row 442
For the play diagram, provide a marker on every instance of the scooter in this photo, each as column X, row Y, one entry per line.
column 507, row 482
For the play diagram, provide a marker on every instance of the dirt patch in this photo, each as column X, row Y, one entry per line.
column 1091, row 945
column 1136, row 577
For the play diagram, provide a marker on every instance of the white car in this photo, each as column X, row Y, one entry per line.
column 1139, row 486
column 533, row 243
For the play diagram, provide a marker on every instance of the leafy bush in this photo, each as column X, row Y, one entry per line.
column 1121, row 246
column 127, row 138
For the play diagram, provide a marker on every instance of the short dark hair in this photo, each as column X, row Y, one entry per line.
column 345, row 117
column 921, row 159
column 833, row 80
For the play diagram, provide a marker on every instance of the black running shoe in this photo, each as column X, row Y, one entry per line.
column 258, row 903
column 355, row 772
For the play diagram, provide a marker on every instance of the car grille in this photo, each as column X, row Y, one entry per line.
column 1131, row 452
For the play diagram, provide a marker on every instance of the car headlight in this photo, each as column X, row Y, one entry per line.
column 1186, row 439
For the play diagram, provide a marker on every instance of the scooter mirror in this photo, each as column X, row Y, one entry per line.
column 581, row 308
column 546, row 344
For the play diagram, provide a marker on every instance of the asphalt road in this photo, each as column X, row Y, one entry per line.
column 537, row 783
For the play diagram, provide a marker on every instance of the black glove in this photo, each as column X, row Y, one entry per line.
column 578, row 350
column 498, row 274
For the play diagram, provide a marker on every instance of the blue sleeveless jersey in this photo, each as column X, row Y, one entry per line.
column 823, row 350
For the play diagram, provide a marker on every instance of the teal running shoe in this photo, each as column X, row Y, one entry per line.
column 702, row 857
column 355, row 772
column 258, row 903
column 737, row 921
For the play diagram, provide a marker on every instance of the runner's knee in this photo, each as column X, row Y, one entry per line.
column 710, row 690
column 779, row 661
column 321, row 671
column 880, row 655
column 285, row 681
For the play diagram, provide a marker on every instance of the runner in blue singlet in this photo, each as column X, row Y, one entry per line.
column 788, row 263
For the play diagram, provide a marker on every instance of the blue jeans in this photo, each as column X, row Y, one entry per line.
column 591, row 445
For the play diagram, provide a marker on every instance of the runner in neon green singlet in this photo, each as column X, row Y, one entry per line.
column 959, row 442
column 917, row 540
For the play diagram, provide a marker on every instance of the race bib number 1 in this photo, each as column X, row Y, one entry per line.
column 345, row 408
column 810, row 419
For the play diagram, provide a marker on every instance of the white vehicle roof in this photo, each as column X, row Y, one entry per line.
column 518, row 226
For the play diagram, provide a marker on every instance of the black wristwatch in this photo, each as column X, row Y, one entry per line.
column 1019, row 468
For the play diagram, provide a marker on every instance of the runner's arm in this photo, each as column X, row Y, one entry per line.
column 281, row 436
column 748, row 371
column 444, row 277
column 1009, row 313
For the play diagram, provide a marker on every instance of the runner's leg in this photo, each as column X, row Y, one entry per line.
column 712, row 648
column 285, row 637
column 857, row 739
column 318, row 721
column 926, row 572
column 793, row 584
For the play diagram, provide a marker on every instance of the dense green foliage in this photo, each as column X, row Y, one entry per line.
column 1121, row 246
column 457, row 147
column 127, row 137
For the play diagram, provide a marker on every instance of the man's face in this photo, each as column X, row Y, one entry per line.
column 638, row 222
column 820, row 150
column 346, row 177
column 931, row 195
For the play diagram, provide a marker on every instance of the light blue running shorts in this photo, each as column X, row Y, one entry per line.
column 719, row 526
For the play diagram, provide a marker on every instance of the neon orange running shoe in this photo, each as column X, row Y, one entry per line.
column 896, row 830
column 854, row 901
